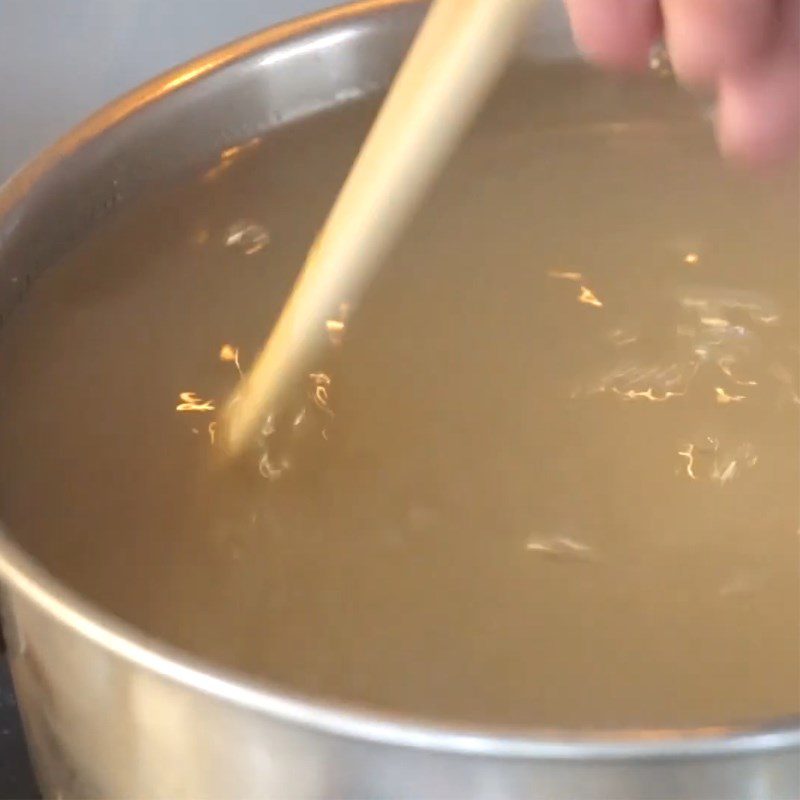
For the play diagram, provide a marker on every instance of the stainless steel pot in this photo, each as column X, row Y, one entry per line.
column 109, row 713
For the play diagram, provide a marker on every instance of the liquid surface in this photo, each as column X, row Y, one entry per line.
column 546, row 476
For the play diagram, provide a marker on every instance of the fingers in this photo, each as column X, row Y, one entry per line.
column 707, row 38
column 616, row 33
column 746, row 50
column 758, row 118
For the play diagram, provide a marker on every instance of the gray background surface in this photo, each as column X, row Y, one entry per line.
column 62, row 59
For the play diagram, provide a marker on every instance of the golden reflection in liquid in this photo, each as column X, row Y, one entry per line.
column 725, row 364
column 230, row 354
column 656, row 384
column 688, row 454
column 692, row 259
column 714, row 322
column 335, row 329
column 707, row 463
column 723, row 398
column 589, row 298
column 586, row 296
column 727, row 469
column 268, row 428
column 561, row 275
column 336, row 326
column 269, row 470
column 647, row 394
column 247, row 236
column 726, row 474
column 559, row 547
column 321, row 382
column 191, row 402
column 716, row 304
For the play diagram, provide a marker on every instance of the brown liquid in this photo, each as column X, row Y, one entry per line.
column 528, row 509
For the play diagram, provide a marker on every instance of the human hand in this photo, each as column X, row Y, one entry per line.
column 748, row 51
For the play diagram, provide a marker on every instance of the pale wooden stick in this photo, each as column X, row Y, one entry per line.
column 459, row 53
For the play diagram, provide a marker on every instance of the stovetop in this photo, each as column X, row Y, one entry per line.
column 16, row 775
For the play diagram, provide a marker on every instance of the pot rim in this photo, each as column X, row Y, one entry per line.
column 22, row 574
